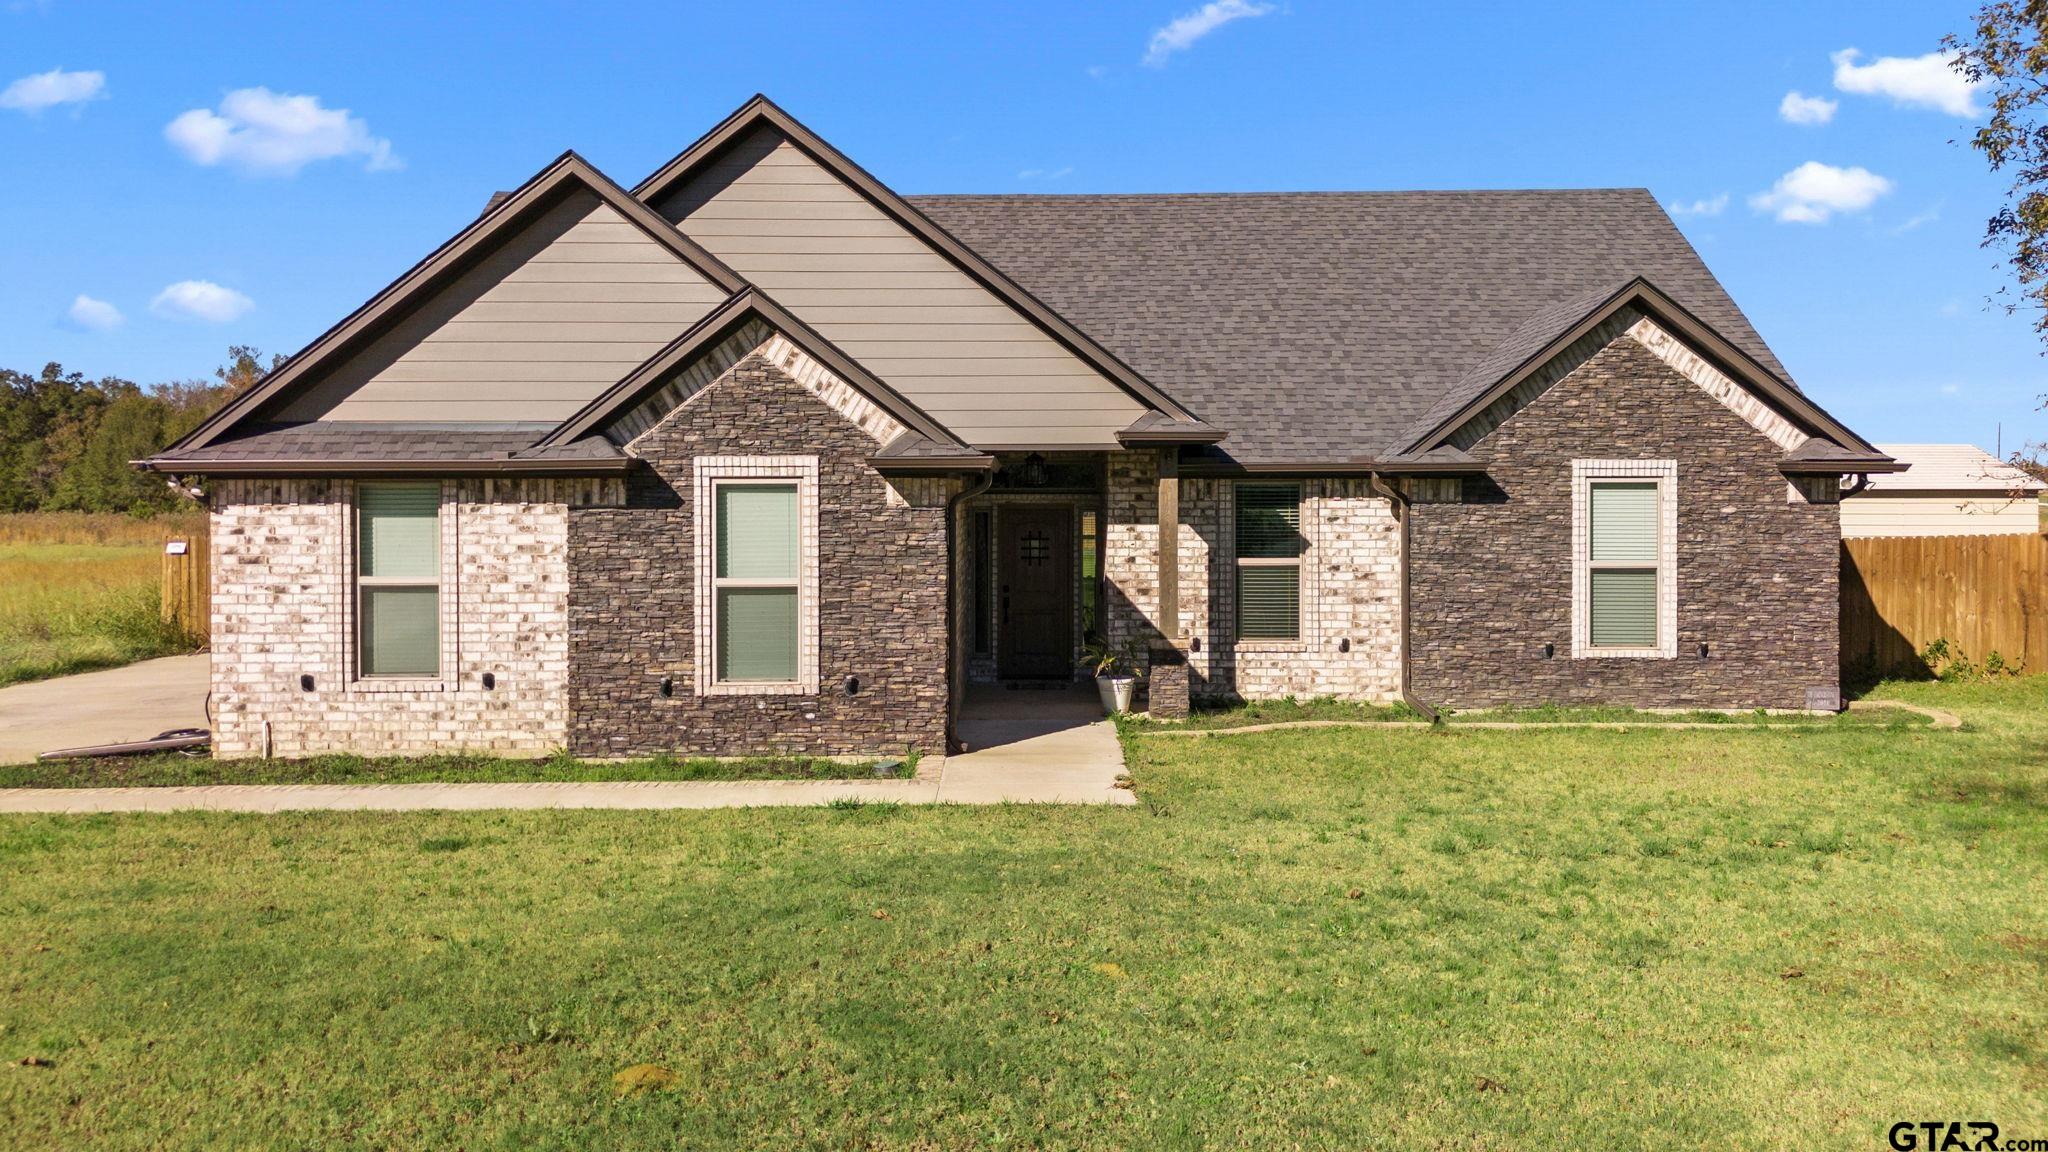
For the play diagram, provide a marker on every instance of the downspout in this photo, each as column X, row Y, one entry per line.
column 956, row 671
column 1399, row 501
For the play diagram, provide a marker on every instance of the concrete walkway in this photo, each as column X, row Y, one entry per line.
column 1035, row 748
column 133, row 702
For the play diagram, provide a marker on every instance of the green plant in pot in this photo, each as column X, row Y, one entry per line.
column 1115, row 667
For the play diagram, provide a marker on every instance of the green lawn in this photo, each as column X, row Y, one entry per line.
column 1335, row 938
column 173, row 769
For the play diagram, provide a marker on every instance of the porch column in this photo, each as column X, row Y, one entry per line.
column 1166, row 679
column 1169, row 543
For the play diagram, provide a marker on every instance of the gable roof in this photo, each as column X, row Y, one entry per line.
column 547, row 187
column 747, row 305
column 1322, row 326
column 761, row 113
column 1552, row 329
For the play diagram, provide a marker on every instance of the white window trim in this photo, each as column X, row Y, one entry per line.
column 1664, row 473
column 449, row 526
column 1304, row 563
column 709, row 472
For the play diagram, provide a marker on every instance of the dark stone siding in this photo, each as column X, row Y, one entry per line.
column 882, row 594
column 1492, row 581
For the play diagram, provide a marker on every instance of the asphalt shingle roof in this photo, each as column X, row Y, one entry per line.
column 357, row 441
column 1326, row 325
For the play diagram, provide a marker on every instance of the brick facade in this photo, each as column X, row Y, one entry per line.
column 1492, row 574
column 283, row 608
column 1350, row 587
column 881, row 591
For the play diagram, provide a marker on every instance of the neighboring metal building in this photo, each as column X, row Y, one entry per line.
column 1950, row 490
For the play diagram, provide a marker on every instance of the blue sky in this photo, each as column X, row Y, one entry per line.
column 194, row 205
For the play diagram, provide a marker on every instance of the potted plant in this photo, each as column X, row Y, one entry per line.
column 1116, row 672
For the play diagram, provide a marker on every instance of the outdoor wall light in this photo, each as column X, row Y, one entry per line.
column 305, row 681
column 1703, row 649
column 1344, row 644
column 850, row 685
column 1549, row 651
column 490, row 681
column 668, row 687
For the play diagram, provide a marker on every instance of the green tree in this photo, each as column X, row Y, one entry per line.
column 66, row 442
column 2006, row 56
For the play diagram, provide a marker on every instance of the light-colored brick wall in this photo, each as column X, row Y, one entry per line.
column 1350, row 643
column 283, row 607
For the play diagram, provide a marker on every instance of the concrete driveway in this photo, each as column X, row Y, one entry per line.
column 133, row 702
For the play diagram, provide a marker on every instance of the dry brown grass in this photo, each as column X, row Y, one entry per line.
column 80, row 591
column 102, row 528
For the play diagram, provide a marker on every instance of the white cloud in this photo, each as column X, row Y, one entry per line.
column 1097, row 71
column 1951, row 389
column 1181, row 33
column 97, row 315
column 1707, row 207
column 1046, row 173
column 33, row 94
column 1798, row 108
column 1812, row 192
column 1911, row 81
column 200, row 300
column 273, row 134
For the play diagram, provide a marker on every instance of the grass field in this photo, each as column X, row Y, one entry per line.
column 1790, row 937
column 79, row 592
column 172, row 769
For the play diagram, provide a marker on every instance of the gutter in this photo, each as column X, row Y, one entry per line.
column 489, row 467
column 1350, row 468
column 1402, row 512
column 933, row 465
column 956, row 689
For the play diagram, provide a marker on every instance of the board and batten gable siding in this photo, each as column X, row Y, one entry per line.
column 567, row 307
column 1940, row 514
column 886, row 298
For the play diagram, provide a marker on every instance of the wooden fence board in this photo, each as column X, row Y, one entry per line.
column 1982, row 594
column 187, row 602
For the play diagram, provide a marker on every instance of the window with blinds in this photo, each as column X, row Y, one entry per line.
column 1269, row 548
column 398, row 579
column 1623, row 548
column 756, row 581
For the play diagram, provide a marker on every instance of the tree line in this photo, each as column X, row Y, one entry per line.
column 66, row 441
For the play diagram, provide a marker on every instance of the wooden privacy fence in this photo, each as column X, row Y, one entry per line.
column 186, row 603
column 1981, row 594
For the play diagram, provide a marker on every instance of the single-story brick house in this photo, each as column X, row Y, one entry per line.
column 760, row 455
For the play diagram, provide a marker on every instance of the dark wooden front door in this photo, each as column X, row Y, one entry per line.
column 1035, row 593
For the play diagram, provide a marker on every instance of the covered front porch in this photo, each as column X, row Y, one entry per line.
column 1218, row 586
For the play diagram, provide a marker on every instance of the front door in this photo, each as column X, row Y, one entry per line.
column 1034, row 567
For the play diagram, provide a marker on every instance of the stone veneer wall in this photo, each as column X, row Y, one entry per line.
column 283, row 607
column 882, row 590
column 1757, row 561
column 1350, row 587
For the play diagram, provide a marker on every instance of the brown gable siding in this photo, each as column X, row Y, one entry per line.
column 572, row 303
column 883, row 295
column 1492, row 576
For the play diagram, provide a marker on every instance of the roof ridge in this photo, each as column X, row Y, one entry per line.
column 1247, row 194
